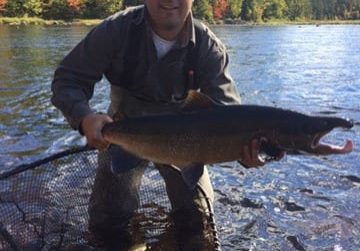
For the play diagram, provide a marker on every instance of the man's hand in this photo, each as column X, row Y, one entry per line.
column 251, row 156
column 91, row 126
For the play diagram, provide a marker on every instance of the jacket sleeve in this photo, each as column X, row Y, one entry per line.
column 214, row 79
column 75, row 77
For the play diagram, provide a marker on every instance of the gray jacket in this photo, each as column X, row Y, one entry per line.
column 154, row 84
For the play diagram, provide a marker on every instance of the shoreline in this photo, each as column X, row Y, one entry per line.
column 17, row 21
column 89, row 22
column 276, row 22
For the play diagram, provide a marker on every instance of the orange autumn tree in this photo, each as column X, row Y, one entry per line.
column 220, row 8
column 2, row 6
column 75, row 5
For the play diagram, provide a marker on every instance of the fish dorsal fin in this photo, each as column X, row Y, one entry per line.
column 197, row 101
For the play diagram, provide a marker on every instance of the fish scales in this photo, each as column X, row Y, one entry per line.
column 212, row 133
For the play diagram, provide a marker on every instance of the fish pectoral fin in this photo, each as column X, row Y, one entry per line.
column 197, row 101
column 191, row 174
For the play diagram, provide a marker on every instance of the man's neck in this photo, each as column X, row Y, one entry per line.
column 167, row 34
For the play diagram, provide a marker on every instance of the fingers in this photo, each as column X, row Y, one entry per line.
column 92, row 125
column 251, row 156
column 255, row 150
column 96, row 140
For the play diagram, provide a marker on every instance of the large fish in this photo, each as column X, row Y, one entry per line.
column 204, row 132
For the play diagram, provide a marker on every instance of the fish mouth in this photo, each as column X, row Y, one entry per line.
column 268, row 150
column 325, row 148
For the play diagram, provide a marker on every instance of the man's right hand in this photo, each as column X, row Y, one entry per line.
column 91, row 126
column 251, row 156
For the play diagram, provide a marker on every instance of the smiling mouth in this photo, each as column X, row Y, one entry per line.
column 168, row 7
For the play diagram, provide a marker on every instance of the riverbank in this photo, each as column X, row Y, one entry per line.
column 39, row 21
column 89, row 22
column 274, row 22
column 313, row 22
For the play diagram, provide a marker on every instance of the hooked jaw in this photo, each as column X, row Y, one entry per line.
column 323, row 148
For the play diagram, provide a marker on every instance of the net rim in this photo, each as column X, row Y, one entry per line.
column 28, row 166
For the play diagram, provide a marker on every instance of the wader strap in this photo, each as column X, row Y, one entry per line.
column 217, row 244
column 192, row 64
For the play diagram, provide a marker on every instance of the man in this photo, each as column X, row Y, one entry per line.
column 151, row 56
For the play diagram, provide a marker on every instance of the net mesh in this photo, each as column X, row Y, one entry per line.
column 44, row 205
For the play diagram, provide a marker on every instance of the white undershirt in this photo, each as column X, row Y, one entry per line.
column 162, row 46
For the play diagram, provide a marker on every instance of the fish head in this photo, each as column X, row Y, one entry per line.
column 306, row 136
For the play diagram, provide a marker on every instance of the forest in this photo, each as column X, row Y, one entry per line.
column 208, row 10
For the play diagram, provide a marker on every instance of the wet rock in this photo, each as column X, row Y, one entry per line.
column 294, row 241
column 306, row 190
column 249, row 203
column 290, row 206
column 352, row 178
column 227, row 201
column 319, row 197
column 249, row 226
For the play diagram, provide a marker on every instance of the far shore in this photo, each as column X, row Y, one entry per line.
column 90, row 22
column 40, row 21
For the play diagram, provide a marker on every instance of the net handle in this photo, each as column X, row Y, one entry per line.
column 24, row 167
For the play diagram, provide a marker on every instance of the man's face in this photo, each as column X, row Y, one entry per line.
column 168, row 14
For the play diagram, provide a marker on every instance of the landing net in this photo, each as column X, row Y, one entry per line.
column 44, row 204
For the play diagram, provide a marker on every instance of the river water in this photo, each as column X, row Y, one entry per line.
column 299, row 203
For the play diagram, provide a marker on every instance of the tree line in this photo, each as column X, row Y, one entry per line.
column 209, row 10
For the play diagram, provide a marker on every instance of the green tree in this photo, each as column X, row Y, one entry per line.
column 33, row 7
column 14, row 8
column 19, row 8
column 101, row 8
column 274, row 9
column 235, row 8
column 252, row 10
column 340, row 8
column 318, row 9
column 203, row 10
column 353, row 9
column 329, row 9
column 248, row 10
column 114, row 6
column 58, row 9
column 298, row 9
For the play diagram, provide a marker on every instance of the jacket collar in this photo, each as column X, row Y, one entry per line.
column 186, row 36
